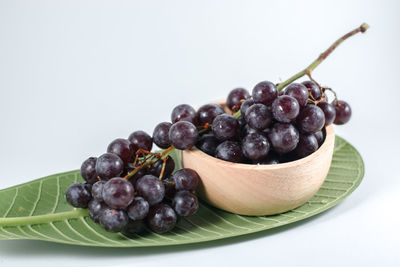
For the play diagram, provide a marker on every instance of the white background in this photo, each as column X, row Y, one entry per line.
column 74, row 75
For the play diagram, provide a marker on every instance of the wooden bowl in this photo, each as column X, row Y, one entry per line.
column 260, row 189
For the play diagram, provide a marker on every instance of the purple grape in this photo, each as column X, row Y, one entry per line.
column 185, row 203
column 156, row 168
column 329, row 111
column 319, row 136
column 88, row 170
column 113, row 220
column 343, row 112
column 265, row 93
column 299, row 92
column 134, row 227
column 184, row 112
column 307, row 144
column 311, row 119
column 161, row 218
column 161, row 135
column 151, row 189
column 248, row 130
column 183, row 135
column 78, row 195
column 96, row 208
column 97, row 190
column 229, row 151
column 245, row 105
column 258, row 116
column 255, row 146
column 170, row 190
column 283, row 137
column 285, row 108
column 122, row 148
column 139, row 209
column 226, row 127
column 109, row 165
column 208, row 112
column 186, row 179
column 141, row 139
column 208, row 144
column 235, row 96
column 118, row 193
column 313, row 89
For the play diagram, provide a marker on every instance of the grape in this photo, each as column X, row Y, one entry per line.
column 265, row 93
column 170, row 190
column 118, row 193
column 161, row 135
column 109, row 165
column 226, row 127
column 235, row 96
column 96, row 208
column 184, row 112
column 139, row 209
column 141, row 139
column 313, row 89
column 156, row 168
column 343, row 112
column 319, row 136
column 185, row 203
column 122, row 148
column 134, row 227
column 283, row 137
column 285, row 108
column 208, row 144
column 183, row 135
column 299, row 92
column 229, row 151
column 258, row 116
column 97, row 190
column 161, row 218
column 207, row 113
column 88, row 170
column 114, row 220
column 151, row 189
column 329, row 111
column 78, row 195
column 186, row 179
column 311, row 119
column 248, row 130
column 245, row 105
column 255, row 146
column 307, row 145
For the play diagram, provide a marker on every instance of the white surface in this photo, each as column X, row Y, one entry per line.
column 74, row 75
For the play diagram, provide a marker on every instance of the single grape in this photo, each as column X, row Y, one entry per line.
column 283, row 137
column 311, row 119
column 141, row 139
column 299, row 92
column 134, row 227
column 319, row 136
column 343, row 112
column 185, row 203
column 255, row 146
column 329, row 111
column 183, row 135
column 118, row 193
column 161, row 218
column 184, row 112
column 307, row 145
column 235, row 96
column 161, row 135
column 208, row 112
column 97, row 190
column 151, row 189
column 170, row 190
column 208, row 144
column 258, row 116
column 78, row 195
column 88, row 170
column 313, row 90
column 156, row 168
column 139, row 209
column 186, row 179
column 226, row 127
column 96, row 208
column 245, row 105
column 113, row 220
column 229, row 151
column 122, row 148
column 265, row 93
column 285, row 108
column 109, row 165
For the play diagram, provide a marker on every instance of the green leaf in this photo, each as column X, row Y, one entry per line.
column 38, row 210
